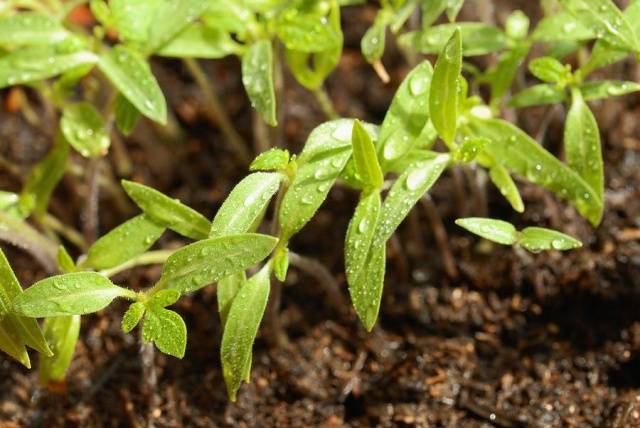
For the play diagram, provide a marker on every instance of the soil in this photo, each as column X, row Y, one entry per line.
column 498, row 338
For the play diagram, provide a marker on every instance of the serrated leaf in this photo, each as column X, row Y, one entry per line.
column 44, row 177
column 536, row 239
column 130, row 73
column 595, row 90
column 168, row 212
column 30, row 28
column 126, row 114
column 166, row 329
column 548, row 69
column 494, row 230
column 537, row 95
column 257, row 78
column 520, row 154
column 204, row 262
column 562, row 26
column 84, row 129
column 170, row 19
column 132, row 317
column 65, row 262
column 245, row 204
column 128, row 240
column 226, row 291
column 271, row 160
column 360, row 235
column 62, row 334
column 407, row 115
column 325, row 154
column 11, row 344
column 36, row 63
column 200, row 41
column 74, row 293
column 364, row 156
column 477, row 38
column 240, row 330
column 582, row 144
column 443, row 97
column 607, row 20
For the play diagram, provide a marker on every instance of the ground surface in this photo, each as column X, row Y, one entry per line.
column 512, row 340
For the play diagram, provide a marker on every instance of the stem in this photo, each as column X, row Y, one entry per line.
column 148, row 258
column 215, row 112
column 89, row 214
column 440, row 234
column 325, row 103
column 260, row 133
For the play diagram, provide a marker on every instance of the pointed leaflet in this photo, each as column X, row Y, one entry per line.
column 537, row 95
column 536, row 239
column 477, row 38
column 271, row 160
column 65, row 262
column 360, row 235
column 166, row 329
column 204, row 262
column 36, row 63
column 31, row 28
column 126, row 114
column 453, row 7
column 130, row 73
column 168, row 212
column 281, row 264
column 595, row 90
column 323, row 158
column 227, row 290
column 582, row 144
column 62, row 333
column 11, row 344
column 373, row 42
column 407, row 115
column 26, row 330
column 607, row 20
column 245, row 204
column 494, row 230
column 520, row 154
column 131, row 238
column 366, row 289
column 74, row 293
column 503, row 181
column 241, row 327
column 170, row 19
column 132, row 317
column 257, row 78
column 548, row 69
column 84, row 129
column 443, row 97
column 364, row 156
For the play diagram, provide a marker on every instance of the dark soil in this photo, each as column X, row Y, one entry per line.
column 502, row 338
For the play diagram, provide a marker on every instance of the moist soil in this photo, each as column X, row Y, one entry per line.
column 470, row 334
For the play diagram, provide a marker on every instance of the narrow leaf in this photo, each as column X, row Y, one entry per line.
column 537, row 95
column 360, row 235
column 366, row 289
column 168, row 212
column 271, row 160
column 503, row 181
column 364, row 155
column 548, row 69
column 226, row 291
column 201, row 41
column 31, row 28
column 84, row 129
column 257, row 78
column 600, row 89
column 560, row 27
column 11, row 344
column 494, row 230
column 62, row 334
column 536, row 239
column 166, row 329
column 126, row 114
column 477, row 38
column 170, row 19
column 65, row 262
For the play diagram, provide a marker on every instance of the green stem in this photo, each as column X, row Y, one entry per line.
column 148, row 258
column 325, row 103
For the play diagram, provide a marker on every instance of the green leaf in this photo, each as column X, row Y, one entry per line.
column 537, row 95
column 128, row 240
column 240, row 330
column 132, row 20
column 477, row 38
column 257, row 78
column 517, row 25
column 373, row 41
column 36, row 63
column 43, row 178
column 166, row 329
column 325, row 154
column 599, row 89
column 364, row 155
column 84, row 129
column 582, row 144
column 503, row 181
column 65, row 262
column 74, row 293
column 226, row 291
column 168, row 212
column 26, row 330
column 560, row 27
column 132, row 317
column 366, row 290
column 204, row 262
column 469, row 149
column 536, row 239
column 453, row 7
column 130, row 73
column 443, row 97
column 607, row 20
column 520, row 154
column 30, row 28
column 407, row 115
column 501, row 77
column 401, row 15
column 271, row 160
column 307, row 32
column 8, row 200
column 548, row 69
column 246, row 204
column 11, row 344
column 494, row 230
column 360, row 236
column 281, row 264
column 200, row 41
column 170, row 19
column 126, row 114
column 163, row 298
column 62, row 334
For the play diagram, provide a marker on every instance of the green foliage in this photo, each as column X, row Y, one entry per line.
column 62, row 334
column 257, row 78
column 84, row 129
